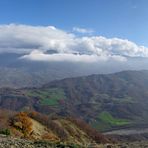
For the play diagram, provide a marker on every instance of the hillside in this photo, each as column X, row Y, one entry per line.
column 114, row 100
column 36, row 126
column 104, row 101
column 32, row 129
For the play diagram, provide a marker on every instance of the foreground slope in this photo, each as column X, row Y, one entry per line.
column 36, row 126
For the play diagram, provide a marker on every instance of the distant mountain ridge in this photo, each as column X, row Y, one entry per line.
column 18, row 73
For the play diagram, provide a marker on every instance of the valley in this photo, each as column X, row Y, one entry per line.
column 107, row 103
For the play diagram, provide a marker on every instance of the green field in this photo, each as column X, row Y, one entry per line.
column 106, row 121
column 108, row 118
column 48, row 96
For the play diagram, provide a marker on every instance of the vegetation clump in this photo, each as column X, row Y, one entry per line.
column 22, row 122
column 5, row 132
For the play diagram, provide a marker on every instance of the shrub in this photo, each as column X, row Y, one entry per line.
column 22, row 122
column 5, row 132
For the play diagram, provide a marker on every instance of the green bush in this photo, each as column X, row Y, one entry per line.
column 5, row 132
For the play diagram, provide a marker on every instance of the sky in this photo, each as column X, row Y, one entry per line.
column 126, row 19
column 82, row 30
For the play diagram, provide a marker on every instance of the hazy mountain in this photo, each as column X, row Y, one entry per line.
column 17, row 73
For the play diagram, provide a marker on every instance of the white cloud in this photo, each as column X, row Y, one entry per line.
column 26, row 38
column 82, row 30
column 68, row 57
column 114, row 46
column 36, row 40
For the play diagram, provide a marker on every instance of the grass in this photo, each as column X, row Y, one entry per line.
column 49, row 97
column 106, row 121
column 108, row 118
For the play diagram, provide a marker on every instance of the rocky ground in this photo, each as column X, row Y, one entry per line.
column 9, row 142
column 137, row 144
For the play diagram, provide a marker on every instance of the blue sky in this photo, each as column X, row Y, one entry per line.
column 126, row 19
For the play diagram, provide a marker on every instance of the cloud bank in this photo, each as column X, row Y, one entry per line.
column 69, row 57
column 36, row 41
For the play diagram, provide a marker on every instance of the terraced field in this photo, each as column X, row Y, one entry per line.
column 50, row 97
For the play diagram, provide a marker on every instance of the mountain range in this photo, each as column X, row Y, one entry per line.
column 105, row 101
column 16, row 72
